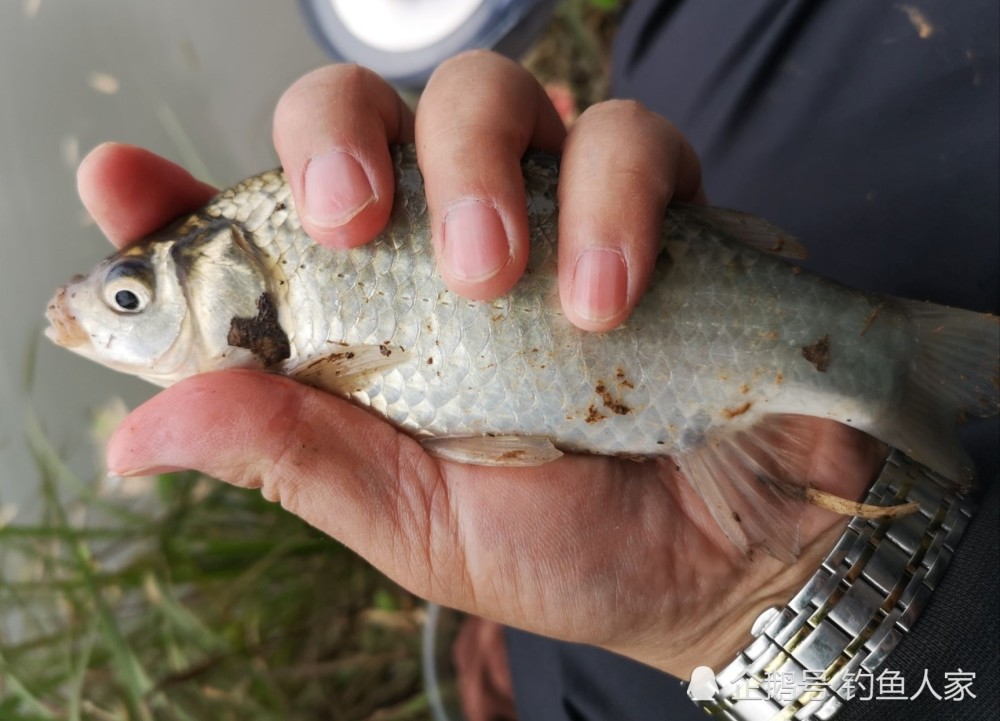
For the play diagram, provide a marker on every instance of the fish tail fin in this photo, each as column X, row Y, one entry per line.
column 954, row 374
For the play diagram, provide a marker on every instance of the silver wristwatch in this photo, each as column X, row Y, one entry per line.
column 814, row 654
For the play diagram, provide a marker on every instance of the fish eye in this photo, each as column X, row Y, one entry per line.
column 128, row 286
column 126, row 300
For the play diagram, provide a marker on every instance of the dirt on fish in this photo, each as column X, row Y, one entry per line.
column 818, row 353
column 263, row 335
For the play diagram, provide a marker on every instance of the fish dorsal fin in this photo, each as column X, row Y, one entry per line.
column 744, row 227
column 500, row 450
column 350, row 368
column 753, row 482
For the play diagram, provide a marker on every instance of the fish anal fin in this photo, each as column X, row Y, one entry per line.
column 351, row 367
column 752, row 480
column 493, row 450
column 756, row 483
column 744, row 227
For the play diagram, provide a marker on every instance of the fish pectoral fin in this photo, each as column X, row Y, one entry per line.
column 744, row 227
column 500, row 450
column 350, row 368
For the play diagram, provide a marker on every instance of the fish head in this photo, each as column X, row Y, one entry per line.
column 163, row 308
column 129, row 313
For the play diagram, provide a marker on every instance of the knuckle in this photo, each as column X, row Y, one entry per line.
column 332, row 81
column 630, row 114
column 303, row 85
column 352, row 80
column 475, row 58
column 486, row 67
column 619, row 110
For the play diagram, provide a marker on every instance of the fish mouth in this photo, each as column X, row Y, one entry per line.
column 64, row 329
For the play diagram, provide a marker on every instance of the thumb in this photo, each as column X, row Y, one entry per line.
column 335, row 465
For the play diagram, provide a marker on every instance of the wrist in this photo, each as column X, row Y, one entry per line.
column 813, row 654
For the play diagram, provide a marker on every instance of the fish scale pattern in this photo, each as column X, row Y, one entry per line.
column 722, row 337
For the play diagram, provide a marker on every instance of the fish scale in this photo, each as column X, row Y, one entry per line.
column 517, row 366
column 728, row 341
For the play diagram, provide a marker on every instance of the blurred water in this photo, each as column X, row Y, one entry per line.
column 194, row 81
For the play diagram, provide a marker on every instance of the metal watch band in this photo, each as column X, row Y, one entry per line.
column 867, row 593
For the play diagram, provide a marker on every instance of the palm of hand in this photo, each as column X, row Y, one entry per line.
column 592, row 549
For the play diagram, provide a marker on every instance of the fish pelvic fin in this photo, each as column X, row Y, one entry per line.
column 495, row 450
column 954, row 375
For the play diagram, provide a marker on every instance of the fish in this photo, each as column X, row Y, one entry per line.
column 730, row 345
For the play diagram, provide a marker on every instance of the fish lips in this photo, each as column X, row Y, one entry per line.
column 64, row 329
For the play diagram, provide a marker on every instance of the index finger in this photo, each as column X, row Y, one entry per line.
column 332, row 130
column 130, row 192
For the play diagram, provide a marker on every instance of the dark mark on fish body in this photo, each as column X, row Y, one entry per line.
column 384, row 350
column 818, row 353
column 731, row 413
column 263, row 335
column 634, row 457
column 613, row 405
column 622, row 380
column 594, row 415
column 869, row 320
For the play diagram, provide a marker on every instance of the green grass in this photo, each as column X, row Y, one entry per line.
column 210, row 603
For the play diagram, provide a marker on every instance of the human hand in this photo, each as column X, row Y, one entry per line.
column 621, row 165
column 597, row 550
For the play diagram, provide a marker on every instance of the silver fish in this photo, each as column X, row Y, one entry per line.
column 729, row 345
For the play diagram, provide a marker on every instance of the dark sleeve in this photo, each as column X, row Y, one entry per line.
column 869, row 129
column 957, row 632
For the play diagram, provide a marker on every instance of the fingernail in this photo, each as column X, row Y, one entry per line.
column 600, row 284
column 474, row 243
column 336, row 189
